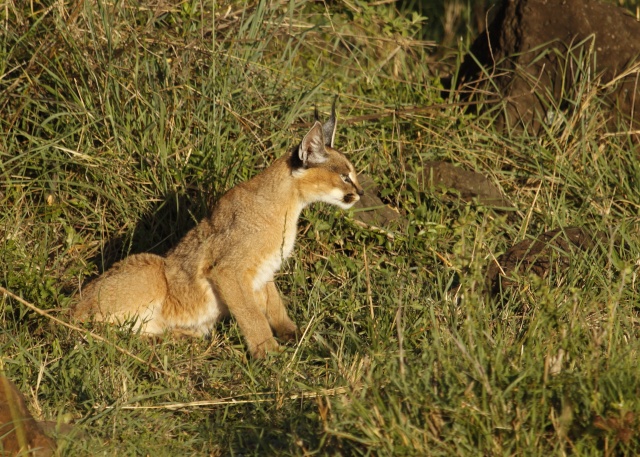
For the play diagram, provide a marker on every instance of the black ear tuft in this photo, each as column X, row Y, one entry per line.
column 329, row 127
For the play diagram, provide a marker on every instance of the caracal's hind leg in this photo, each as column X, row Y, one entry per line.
column 134, row 288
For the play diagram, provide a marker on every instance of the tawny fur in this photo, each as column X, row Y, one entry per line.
column 226, row 264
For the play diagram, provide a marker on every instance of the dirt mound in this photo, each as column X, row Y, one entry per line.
column 454, row 182
column 371, row 210
column 536, row 53
column 468, row 185
column 553, row 250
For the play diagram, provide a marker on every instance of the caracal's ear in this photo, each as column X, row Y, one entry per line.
column 311, row 150
column 329, row 127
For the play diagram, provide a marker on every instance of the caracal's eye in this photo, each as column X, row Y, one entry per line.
column 346, row 179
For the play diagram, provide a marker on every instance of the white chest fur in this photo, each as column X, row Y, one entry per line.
column 272, row 263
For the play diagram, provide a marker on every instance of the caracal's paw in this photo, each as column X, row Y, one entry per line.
column 269, row 345
column 289, row 332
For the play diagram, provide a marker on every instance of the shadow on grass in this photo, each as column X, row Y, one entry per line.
column 256, row 430
column 158, row 230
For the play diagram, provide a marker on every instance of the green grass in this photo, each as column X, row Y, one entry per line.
column 122, row 122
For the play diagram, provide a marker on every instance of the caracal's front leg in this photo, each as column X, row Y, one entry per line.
column 277, row 315
column 245, row 306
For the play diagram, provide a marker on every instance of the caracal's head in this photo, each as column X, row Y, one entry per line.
column 323, row 173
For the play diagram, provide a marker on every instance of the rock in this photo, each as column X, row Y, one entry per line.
column 552, row 249
column 469, row 185
column 20, row 434
column 524, row 51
